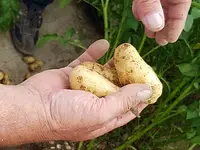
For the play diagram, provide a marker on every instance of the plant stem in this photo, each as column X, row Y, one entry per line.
column 142, row 43
column 181, row 97
column 158, row 120
column 77, row 45
column 105, row 13
column 190, row 49
column 93, row 6
column 131, row 147
column 151, row 51
column 119, row 32
column 192, row 147
column 80, row 145
column 196, row 4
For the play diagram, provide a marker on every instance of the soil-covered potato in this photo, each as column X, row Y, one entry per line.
column 131, row 68
column 29, row 59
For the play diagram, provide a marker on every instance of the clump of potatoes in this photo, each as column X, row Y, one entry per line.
column 4, row 78
column 33, row 65
column 129, row 68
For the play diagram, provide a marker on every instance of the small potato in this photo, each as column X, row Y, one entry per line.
column 6, row 76
column 1, row 75
column 87, row 79
column 131, row 68
column 108, row 73
column 29, row 59
column 27, row 75
column 7, row 82
column 36, row 65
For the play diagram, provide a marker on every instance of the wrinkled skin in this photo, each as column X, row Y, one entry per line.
column 169, row 22
column 79, row 115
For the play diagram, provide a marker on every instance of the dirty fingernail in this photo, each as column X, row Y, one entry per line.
column 153, row 22
column 144, row 95
column 162, row 42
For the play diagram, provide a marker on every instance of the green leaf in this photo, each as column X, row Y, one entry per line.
column 189, row 23
column 182, row 108
column 196, row 46
column 69, row 33
column 46, row 38
column 8, row 12
column 64, row 3
column 192, row 114
column 191, row 134
column 195, row 13
column 188, row 69
column 196, row 140
column 63, row 41
column 195, row 122
column 131, row 22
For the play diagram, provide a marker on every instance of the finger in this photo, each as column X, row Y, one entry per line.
column 176, row 18
column 110, row 63
column 150, row 12
column 161, row 41
column 118, row 103
column 134, row 9
column 116, row 123
column 149, row 33
column 93, row 53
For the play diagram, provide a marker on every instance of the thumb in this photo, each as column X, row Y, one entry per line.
column 127, row 98
column 150, row 12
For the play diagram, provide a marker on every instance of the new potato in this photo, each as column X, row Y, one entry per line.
column 129, row 68
column 84, row 78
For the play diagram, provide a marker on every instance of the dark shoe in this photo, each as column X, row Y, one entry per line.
column 25, row 32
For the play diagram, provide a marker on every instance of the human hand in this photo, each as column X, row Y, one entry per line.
column 78, row 115
column 164, row 20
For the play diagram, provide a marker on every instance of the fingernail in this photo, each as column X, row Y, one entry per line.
column 144, row 95
column 153, row 21
column 162, row 42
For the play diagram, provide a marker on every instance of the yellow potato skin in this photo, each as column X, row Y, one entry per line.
column 131, row 68
column 85, row 78
column 1, row 75
column 108, row 73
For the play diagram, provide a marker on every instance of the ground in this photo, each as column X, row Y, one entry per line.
column 54, row 55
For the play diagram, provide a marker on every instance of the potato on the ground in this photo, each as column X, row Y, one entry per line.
column 1, row 75
column 29, row 59
column 6, row 80
column 27, row 75
column 37, row 64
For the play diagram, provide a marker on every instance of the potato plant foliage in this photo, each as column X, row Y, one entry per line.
column 176, row 115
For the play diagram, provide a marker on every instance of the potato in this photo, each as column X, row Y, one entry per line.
column 1, row 75
column 29, row 59
column 87, row 79
column 6, row 80
column 27, row 75
column 108, row 73
column 37, row 64
column 131, row 68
